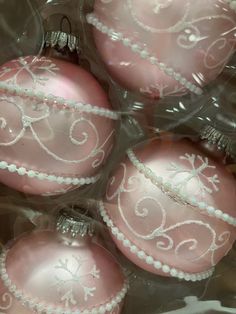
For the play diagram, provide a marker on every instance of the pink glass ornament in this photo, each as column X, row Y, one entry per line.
column 171, row 209
column 56, row 126
column 164, row 48
column 43, row 272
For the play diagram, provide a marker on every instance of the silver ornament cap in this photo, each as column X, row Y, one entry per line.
column 61, row 39
column 75, row 225
column 215, row 137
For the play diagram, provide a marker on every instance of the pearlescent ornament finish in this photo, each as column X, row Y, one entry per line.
column 57, row 127
column 74, row 278
column 164, row 48
column 167, row 211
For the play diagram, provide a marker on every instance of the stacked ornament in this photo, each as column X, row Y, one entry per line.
column 169, row 204
column 60, row 271
column 166, row 208
column 164, row 48
column 165, row 204
column 57, row 125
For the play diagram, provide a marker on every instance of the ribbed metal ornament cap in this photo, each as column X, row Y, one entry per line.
column 215, row 137
column 75, row 225
column 60, row 39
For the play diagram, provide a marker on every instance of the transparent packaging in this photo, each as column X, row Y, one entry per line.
column 117, row 157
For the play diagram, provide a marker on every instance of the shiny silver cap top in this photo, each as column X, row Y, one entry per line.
column 61, row 40
column 215, row 137
column 76, row 225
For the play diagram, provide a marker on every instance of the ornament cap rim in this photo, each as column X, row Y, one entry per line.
column 214, row 136
column 75, row 225
column 61, row 40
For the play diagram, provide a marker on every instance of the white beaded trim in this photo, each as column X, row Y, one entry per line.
column 41, row 307
column 173, row 192
column 156, row 264
column 144, row 54
column 59, row 101
column 44, row 176
column 232, row 4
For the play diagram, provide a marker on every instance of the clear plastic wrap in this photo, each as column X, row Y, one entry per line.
column 119, row 115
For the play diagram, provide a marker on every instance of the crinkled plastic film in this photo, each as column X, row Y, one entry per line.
column 117, row 156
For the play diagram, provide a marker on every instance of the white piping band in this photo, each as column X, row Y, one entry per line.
column 42, row 307
column 58, row 101
column 170, row 189
column 44, row 176
column 144, row 54
column 156, row 264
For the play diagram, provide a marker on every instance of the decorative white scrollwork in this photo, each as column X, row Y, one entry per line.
column 80, row 132
column 220, row 44
column 5, row 302
column 161, row 4
column 37, row 118
column 155, row 9
column 187, row 27
column 195, row 247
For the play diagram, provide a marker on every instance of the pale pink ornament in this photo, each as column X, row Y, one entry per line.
column 57, row 126
column 171, row 209
column 47, row 272
column 164, row 48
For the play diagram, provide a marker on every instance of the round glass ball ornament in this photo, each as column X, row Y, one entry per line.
column 170, row 209
column 60, row 273
column 164, row 48
column 56, row 126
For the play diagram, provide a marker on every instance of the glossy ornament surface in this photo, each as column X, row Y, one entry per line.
column 57, row 127
column 166, row 208
column 164, row 48
column 44, row 272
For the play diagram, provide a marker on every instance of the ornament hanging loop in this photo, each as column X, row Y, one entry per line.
column 64, row 20
column 62, row 39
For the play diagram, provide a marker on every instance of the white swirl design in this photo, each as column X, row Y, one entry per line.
column 123, row 186
column 161, row 4
column 178, row 26
column 219, row 44
column 28, row 122
column 194, row 249
column 6, row 302
column 189, row 33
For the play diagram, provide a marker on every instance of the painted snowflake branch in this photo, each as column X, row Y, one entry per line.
column 195, row 172
column 22, row 64
column 73, row 277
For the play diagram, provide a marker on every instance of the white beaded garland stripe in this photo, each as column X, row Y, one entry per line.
column 44, row 176
column 144, row 54
column 42, row 307
column 150, row 260
column 58, row 101
column 168, row 188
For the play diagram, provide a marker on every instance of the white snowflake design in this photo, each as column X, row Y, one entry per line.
column 195, row 172
column 162, row 90
column 35, row 68
column 70, row 279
